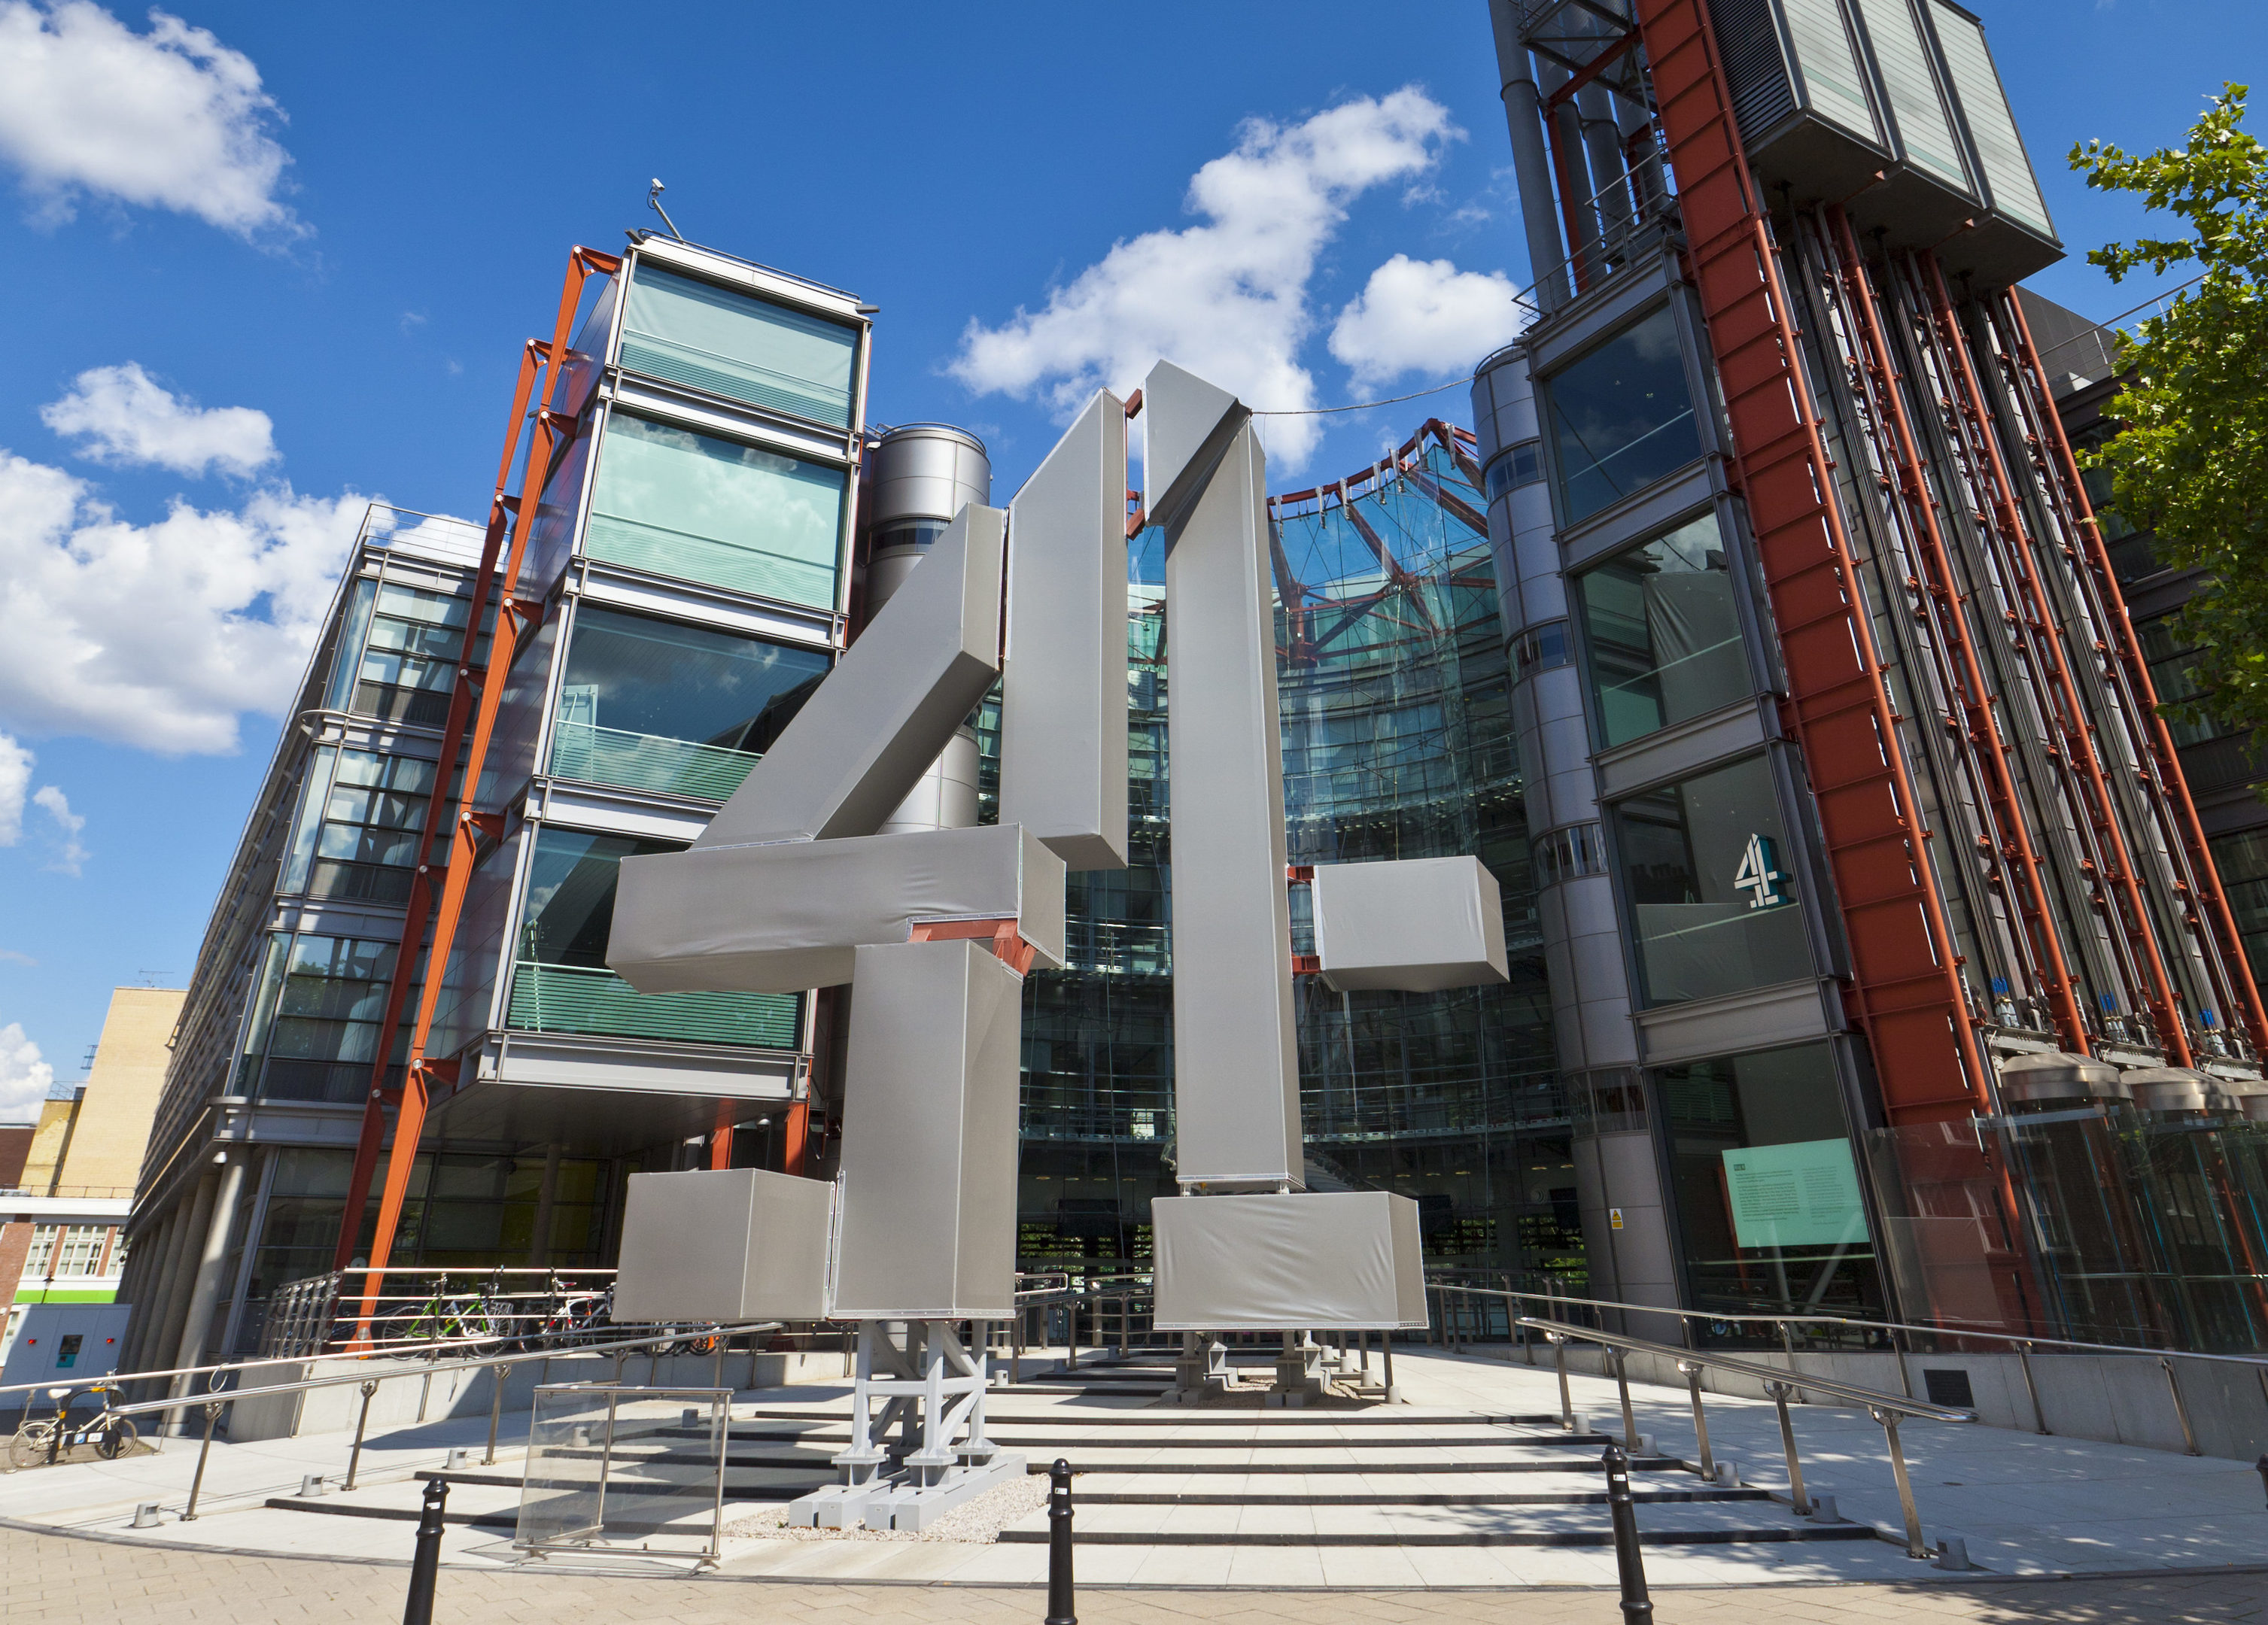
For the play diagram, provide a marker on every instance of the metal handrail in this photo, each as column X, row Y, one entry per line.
column 1885, row 1408
column 2020, row 1340
column 306, row 1383
column 1850, row 1391
column 213, row 1404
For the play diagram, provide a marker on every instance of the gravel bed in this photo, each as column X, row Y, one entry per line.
column 977, row 1521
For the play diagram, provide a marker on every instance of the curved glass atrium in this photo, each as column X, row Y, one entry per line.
column 1397, row 740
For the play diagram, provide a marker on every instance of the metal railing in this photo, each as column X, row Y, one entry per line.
column 1895, row 1338
column 213, row 1404
column 1886, row 1409
column 396, row 1307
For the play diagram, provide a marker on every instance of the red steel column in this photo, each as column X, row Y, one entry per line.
column 421, row 894
column 549, row 429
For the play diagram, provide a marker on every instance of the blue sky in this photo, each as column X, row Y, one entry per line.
column 271, row 262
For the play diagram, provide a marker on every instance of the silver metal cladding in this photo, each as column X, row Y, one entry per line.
column 1062, row 717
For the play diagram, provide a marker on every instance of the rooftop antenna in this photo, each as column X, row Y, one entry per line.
column 654, row 201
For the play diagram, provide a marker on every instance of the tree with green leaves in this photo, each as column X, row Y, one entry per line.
column 2191, row 463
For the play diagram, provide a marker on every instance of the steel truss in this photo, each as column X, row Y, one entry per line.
column 921, row 1378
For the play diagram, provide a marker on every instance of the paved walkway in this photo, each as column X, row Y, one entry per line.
column 2028, row 1506
column 66, row 1580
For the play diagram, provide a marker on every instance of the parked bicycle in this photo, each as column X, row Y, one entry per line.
column 42, row 1441
column 443, row 1318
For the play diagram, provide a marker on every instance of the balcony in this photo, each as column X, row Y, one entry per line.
column 596, row 755
column 573, row 998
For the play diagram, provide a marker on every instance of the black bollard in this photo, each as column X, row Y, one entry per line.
column 1636, row 1608
column 1059, row 1598
column 2261, row 1468
column 426, row 1567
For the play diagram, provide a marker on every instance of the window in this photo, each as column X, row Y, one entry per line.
column 1621, row 416
column 2242, row 860
column 703, row 509
column 1664, row 634
column 408, row 661
column 357, row 839
column 314, row 1033
column 1769, row 1203
column 730, row 344
column 1710, row 885
column 1520, row 464
column 59, row 1252
column 1567, row 852
column 1541, row 649
column 2213, row 754
column 654, row 705
column 561, row 983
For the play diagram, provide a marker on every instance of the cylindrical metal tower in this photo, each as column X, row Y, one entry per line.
column 923, row 475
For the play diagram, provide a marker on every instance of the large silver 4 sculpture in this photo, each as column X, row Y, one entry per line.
column 789, row 888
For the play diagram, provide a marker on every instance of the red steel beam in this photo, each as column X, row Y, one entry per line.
column 1985, row 742
column 549, row 432
column 1905, row 985
column 2128, row 651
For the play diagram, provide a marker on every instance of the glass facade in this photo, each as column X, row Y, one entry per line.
column 313, row 1034
column 1394, row 688
column 357, row 838
column 560, row 980
column 658, row 705
column 717, row 511
column 403, row 654
column 1769, row 1203
column 1621, row 416
column 1664, row 632
column 1712, row 891
column 744, row 348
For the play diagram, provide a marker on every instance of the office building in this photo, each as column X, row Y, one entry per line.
column 67, row 1187
column 1891, row 969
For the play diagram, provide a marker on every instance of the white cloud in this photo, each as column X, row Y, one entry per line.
column 1228, row 298
column 124, row 415
column 16, row 764
column 68, row 853
column 170, row 119
column 12, row 956
column 158, row 635
column 1423, row 316
column 25, row 1079
column 15, row 787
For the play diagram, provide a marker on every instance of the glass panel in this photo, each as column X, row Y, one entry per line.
column 561, row 983
column 1621, row 416
column 1710, row 886
column 639, row 1469
column 1665, row 635
column 315, row 788
column 703, row 509
column 373, row 817
column 324, row 1036
column 1767, row 1188
column 729, row 344
column 346, row 660
column 654, row 705
column 408, row 663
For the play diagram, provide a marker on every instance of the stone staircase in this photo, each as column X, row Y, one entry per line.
column 1161, row 1475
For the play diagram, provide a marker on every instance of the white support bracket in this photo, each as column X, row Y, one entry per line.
column 920, row 1378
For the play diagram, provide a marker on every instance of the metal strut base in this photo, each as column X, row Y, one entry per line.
column 919, row 1377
